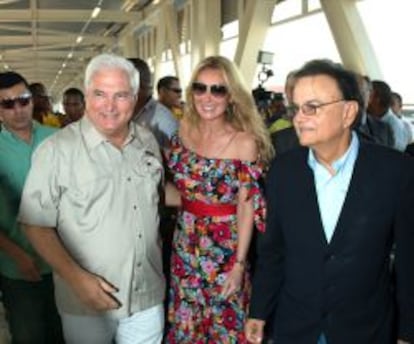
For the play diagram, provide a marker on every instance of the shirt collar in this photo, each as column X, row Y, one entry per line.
column 348, row 157
column 7, row 133
column 94, row 138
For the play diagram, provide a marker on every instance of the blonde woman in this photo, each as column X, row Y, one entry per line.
column 217, row 160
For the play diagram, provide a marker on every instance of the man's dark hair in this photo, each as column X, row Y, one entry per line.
column 38, row 89
column 382, row 91
column 395, row 95
column 76, row 92
column 144, row 72
column 9, row 79
column 346, row 80
column 166, row 82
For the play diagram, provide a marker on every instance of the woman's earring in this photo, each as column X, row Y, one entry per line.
column 230, row 110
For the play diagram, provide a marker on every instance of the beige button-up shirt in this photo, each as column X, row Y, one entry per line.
column 103, row 202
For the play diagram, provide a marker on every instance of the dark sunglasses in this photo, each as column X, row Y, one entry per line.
column 22, row 100
column 198, row 88
column 176, row 90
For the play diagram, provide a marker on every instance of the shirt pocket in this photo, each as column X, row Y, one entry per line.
column 149, row 171
column 83, row 204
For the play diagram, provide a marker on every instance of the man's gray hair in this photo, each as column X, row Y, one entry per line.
column 111, row 61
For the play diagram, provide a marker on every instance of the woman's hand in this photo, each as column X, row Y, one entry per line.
column 233, row 281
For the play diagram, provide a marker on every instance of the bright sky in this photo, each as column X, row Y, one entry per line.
column 389, row 23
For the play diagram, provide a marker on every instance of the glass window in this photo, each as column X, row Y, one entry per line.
column 388, row 24
column 314, row 5
column 286, row 9
column 294, row 43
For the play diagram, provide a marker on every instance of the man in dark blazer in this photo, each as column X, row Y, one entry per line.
column 284, row 140
column 372, row 128
column 336, row 208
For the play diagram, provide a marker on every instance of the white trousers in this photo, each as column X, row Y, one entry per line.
column 144, row 327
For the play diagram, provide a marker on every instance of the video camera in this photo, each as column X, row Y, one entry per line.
column 262, row 97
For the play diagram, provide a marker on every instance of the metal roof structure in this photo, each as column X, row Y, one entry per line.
column 50, row 40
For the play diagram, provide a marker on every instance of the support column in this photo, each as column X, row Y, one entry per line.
column 173, row 40
column 129, row 45
column 160, row 44
column 205, row 29
column 351, row 37
column 253, row 26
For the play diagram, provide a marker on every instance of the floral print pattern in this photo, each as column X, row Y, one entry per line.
column 204, row 249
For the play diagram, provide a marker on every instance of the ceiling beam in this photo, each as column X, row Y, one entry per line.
column 105, row 16
column 27, row 29
column 68, row 39
column 17, row 54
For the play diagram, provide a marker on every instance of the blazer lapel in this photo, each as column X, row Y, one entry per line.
column 310, row 201
column 354, row 196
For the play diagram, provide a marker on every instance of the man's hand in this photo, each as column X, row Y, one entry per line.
column 400, row 341
column 27, row 267
column 24, row 262
column 94, row 291
column 254, row 330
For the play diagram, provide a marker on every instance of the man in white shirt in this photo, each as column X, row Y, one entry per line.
column 90, row 209
column 149, row 112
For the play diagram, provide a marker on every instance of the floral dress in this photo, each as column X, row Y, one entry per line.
column 204, row 249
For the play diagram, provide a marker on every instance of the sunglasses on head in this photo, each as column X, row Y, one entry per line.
column 217, row 90
column 22, row 100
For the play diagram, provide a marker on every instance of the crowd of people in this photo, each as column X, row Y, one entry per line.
column 131, row 219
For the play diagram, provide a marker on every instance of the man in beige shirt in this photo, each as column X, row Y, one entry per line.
column 90, row 208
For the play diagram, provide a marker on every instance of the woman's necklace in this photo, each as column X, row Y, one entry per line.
column 211, row 149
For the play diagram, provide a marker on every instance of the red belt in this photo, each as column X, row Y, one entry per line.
column 204, row 209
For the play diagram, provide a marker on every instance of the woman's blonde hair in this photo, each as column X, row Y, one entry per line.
column 242, row 113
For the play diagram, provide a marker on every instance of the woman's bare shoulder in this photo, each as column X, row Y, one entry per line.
column 186, row 133
column 245, row 146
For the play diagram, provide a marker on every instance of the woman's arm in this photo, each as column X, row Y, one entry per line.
column 245, row 217
column 245, row 211
column 172, row 195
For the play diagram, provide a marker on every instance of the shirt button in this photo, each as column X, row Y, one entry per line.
column 140, row 235
column 135, row 207
column 139, row 264
column 129, row 179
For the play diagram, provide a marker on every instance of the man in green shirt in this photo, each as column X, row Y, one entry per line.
column 26, row 281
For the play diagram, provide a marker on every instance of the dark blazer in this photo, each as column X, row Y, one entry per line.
column 284, row 140
column 410, row 149
column 343, row 289
column 378, row 132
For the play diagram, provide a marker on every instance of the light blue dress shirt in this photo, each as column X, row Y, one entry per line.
column 401, row 138
column 159, row 119
column 331, row 190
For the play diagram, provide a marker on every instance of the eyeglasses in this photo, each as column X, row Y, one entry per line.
column 22, row 100
column 219, row 91
column 176, row 90
column 308, row 109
